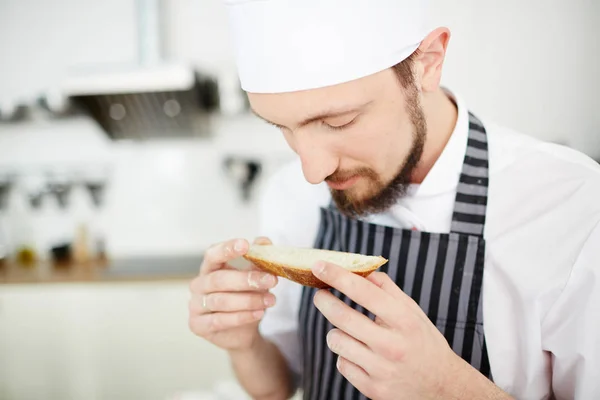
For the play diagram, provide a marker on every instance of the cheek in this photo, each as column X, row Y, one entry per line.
column 366, row 149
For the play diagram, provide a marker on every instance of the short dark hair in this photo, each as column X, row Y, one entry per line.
column 405, row 70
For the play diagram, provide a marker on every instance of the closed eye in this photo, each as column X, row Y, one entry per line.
column 340, row 127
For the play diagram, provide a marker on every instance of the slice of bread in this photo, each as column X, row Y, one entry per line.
column 295, row 263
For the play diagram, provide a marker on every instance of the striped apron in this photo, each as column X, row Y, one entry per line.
column 442, row 272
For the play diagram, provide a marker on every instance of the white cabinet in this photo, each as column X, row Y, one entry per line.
column 102, row 341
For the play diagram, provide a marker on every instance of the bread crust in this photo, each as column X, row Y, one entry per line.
column 303, row 276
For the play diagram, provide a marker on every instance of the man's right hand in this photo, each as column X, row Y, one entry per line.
column 227, row 304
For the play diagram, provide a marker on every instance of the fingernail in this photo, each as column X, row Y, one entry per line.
column 267, row 280
column 238, row 246
column 253, row 280
column 319, row 268
column 328, row 339
column 338, row 363
column 258, row 314
column 269, row 300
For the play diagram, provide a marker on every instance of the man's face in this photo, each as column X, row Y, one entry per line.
column 364, row 138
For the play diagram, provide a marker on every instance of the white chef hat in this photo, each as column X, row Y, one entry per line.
column 290, row 45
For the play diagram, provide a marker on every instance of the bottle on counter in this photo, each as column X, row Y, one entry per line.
column 4, row 244
column 81, row 248
column 62, row 233
column 27, row 202
column 5, row 190
column 96, row 182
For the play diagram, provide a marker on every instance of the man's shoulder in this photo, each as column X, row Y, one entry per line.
column 549, row 189
column 519, row 156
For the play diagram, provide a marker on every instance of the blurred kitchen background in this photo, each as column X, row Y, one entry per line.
column 127, row 148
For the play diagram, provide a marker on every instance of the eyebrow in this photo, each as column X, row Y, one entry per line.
column 331, row 113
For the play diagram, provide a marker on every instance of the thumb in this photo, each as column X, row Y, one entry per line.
column 262, row 240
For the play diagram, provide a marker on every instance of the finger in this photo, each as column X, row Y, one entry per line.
column 262, row 240
column 359, row 289
column 355, row 375
column 216, row 322
column 349, row 320
column 217, row 255
column 384, row 282
column 354, row 351
column 235, row 281
column 229, row 302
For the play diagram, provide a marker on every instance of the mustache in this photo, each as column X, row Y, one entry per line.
column 342, row 176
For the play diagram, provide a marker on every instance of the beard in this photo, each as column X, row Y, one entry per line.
column 380, row 197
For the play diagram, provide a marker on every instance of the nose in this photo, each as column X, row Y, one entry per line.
column 317, row 161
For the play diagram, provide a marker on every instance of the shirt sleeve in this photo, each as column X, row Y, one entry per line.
column 280, row 323
column 571, row 330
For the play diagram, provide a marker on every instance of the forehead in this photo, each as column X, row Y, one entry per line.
column 293, row 106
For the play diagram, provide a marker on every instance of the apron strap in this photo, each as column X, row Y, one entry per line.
column 472, row 192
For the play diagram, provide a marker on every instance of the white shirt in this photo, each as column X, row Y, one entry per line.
column 541, row 287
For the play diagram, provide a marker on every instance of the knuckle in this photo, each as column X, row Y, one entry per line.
column 214, row 323
column 195, row 285
column 211, row 252
column 352, row 284
column 195, row 326
column 344, row 316
column 213, row 281
column 395, row 352
column 381, row 276
column 407, row 323
column 243, row 318
column 253, row 302
column 215, row 302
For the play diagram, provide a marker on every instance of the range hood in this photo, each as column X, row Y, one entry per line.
column 151, row 72
column 150, row 98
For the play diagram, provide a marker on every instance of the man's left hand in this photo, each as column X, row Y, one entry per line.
column 399, row 355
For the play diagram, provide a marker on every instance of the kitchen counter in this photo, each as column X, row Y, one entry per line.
column 133, row 269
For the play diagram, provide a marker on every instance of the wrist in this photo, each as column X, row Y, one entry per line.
column 467, row 382
column 255, row 347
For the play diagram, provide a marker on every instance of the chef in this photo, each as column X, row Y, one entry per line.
column 492, row 288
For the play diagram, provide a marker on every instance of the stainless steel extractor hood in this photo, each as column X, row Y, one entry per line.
column 150, row 98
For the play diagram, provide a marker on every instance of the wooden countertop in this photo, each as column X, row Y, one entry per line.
column 122, row 270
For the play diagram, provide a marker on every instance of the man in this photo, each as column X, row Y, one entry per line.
column 492, row 288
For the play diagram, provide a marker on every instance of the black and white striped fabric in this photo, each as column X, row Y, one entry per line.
column 443, row 273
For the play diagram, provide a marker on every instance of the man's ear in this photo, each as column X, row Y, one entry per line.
column 428, row 64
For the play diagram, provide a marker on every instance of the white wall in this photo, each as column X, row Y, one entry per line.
column 165, row 197
column 40, row 41
column 530, row 65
